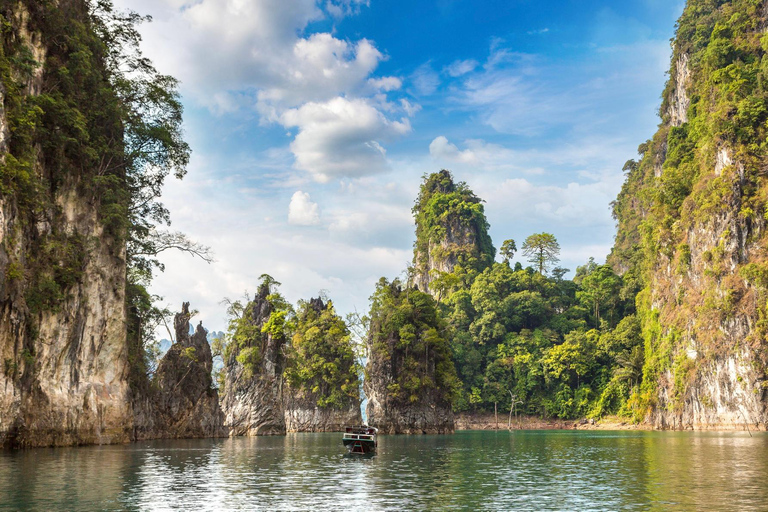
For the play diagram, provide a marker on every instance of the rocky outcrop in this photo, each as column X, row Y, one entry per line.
column 720, row 363
column 726, row 393
column 695, row 230
column 63, row 356
column 451, row 230
column 68, row 365
column 322, row 391
column 183, row 402
column 431, row 415
column 410, row 371
column 252, row 401
column 678, row 103
column 443, row 255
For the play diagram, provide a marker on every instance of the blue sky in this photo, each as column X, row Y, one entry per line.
column 312, row 122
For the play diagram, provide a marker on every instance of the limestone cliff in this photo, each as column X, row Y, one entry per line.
column 303, row 415
column 64, row 369
column 322, row 392
column 182, row 403
column 252, row 397
column 692, row 218
column 410, row 378
column 73, row 193
column 451, row 231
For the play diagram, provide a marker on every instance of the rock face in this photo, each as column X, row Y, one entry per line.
column 410, row 371
column 451, row 230
column 63, row 355
column 677, row 108
column 183, row 403
column 431, row 416
column 252, row 401
column 303, row 415
column 67, row 365
column 692, row 226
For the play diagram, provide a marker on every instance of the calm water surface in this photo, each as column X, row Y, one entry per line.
column 522, row 470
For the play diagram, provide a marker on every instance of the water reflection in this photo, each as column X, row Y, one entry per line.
column 520, row 470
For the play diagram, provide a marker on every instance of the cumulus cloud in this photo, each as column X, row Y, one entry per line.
column 236, row 56
column 302, row 211
column 441, row 149
column 341, row 138
column 388, row 83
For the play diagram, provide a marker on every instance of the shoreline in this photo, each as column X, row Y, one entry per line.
column 487, row 421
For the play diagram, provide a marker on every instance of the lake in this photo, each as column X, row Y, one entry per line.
column 471, row 470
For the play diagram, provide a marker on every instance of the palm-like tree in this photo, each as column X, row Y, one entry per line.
column 630, row 367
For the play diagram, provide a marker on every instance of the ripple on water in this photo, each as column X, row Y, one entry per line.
column 521, row 470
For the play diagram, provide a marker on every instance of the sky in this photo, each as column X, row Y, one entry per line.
column 312, row 122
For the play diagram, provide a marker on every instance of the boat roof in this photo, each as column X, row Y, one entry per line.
column 365, row 428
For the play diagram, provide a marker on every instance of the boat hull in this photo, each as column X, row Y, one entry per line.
column 360, row 446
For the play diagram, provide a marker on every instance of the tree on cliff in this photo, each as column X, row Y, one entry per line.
column 451, row 231
column 542, row 250
column 131, row 169
column 321, row 364
column 409, row 356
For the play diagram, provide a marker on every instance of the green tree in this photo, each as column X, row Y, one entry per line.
column 443, row 283
column 407, row 347
column 542, row 250
column 508, row 250
column 630, row 366
column 321, row 362
column 600, row 291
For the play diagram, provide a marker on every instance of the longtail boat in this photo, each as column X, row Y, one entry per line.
column 360, row 439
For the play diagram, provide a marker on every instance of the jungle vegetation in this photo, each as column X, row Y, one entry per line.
column 562, row 348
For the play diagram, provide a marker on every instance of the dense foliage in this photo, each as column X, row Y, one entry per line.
column 322, row 364
column 558, row 346
column 408, row 347
column 689, row 228
column 315, row 354
column 450, row 227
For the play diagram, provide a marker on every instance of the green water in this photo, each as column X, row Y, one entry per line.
column 523, row 470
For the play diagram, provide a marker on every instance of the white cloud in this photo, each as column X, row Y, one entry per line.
column 484, row 156
column 522, row 94
column 320, row 68
column 410, row 109
column 441, row 149
column 302, row 211
column 341, row 138
column 388, row 83
column 240, row 56
column 461, row 67
column 342, row 8
column 425, row 80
